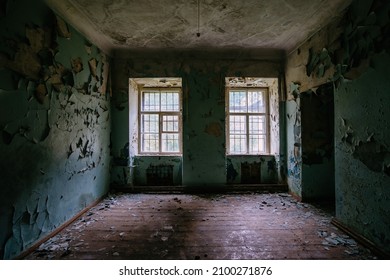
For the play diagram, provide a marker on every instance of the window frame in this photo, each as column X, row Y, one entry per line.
column 160, row 114
column 266, row 114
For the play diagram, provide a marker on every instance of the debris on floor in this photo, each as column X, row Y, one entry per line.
column 212, row 226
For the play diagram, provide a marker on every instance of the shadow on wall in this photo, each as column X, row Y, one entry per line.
column 54, row 122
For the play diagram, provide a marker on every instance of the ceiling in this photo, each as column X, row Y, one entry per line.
column 173, row 24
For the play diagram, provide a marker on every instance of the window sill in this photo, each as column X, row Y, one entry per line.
column 250, row 155
column 159, row 155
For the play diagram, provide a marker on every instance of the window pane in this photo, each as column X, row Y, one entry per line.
column 237, row 102
column 151, row 101
column 170, row 123
column 237, row 144
column 256, row 102
column 170, row 142
column 257, row 144
column 149, row 143
column 257, row 125
column 149, row 123
column 170, row 101
column 237, row 125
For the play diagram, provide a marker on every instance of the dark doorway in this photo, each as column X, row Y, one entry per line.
column 318, row 174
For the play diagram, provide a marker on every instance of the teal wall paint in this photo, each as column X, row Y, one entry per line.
column 142, row 163
column 54, row 147
column 362, row 152
column 317, row 126
column 310, row 178
column 269, row 168
column 204, row 128
column 293, row 144
column 353, row 53
column 121, row 173
column 203, row 84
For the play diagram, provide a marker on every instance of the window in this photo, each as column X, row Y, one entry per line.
column 247, row 121
column 160, row 121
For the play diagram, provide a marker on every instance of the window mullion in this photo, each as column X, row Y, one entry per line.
column 160, row 118
column 160, row 140
column 247, row 133
column 247, row 122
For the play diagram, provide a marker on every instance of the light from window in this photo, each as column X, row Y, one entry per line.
column 247, row 121
column 160, row 121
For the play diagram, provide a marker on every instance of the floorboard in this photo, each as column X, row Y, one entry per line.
column 191, row 226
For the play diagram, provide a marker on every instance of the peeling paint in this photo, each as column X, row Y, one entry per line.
column 158, row 171
column 77, row 65
column 373, row 155
column 214, row 129
column 62, row 28
column 54, row 138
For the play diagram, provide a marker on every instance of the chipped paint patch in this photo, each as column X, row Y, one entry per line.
column 214, row 129
column 55, row 136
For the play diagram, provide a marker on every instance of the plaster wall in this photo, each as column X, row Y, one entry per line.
column 293, row 145
column 352, row 53
column 203, row 85
column 54, row 121
column 363, row 152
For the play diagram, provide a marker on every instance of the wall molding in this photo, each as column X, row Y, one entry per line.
column 361, row 239
column 38, row 243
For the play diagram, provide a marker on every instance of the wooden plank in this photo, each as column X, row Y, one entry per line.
column 186, row 226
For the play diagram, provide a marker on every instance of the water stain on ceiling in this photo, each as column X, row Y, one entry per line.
column 174, row 24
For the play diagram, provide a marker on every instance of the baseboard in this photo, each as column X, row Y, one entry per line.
column 202, row 189
column 362, row 240
column 295, row 196
column 38, row 243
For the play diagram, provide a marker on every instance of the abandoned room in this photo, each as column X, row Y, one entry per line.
column 200, row 129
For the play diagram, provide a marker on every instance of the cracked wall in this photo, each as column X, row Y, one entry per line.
column 353, row 53
column 293, row 144
column 203, row 84
column 54, row 121
column 363, row 152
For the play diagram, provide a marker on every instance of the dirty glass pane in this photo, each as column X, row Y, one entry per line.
column 256, row 102
column 237, row 125
column 150, row 142
column 150, row 123
column 237, row 102
column 257, row 125
column 151, row 101
column 170, row 101
column 170, row 142
column 170, row 123
column 237, row 144
column 257, row 144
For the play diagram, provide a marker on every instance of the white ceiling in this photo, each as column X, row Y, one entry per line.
column 173, row 24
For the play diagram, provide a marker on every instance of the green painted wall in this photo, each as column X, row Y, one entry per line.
column 353, row 53
column 268, row 169
column 204, row 128
column 121, row 173
column 204, row 162
column 362, row 153
column 293, row 145
column 317, row 123
column 54, row 125
column 145, row 164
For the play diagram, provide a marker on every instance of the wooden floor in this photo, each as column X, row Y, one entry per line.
column 214, row 226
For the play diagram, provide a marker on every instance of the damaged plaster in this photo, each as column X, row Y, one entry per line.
column 55, row 134
column 204, row 160
column 353, row 54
